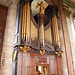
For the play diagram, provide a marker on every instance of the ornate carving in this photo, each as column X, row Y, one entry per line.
column 42, row 9
column 58, row 53
column 42, row 52
column 25, row 48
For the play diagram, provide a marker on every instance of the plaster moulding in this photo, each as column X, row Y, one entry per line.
column 69, row 3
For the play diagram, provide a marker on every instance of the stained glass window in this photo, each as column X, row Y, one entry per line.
column 74, row 20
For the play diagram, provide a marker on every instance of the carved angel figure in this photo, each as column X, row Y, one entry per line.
column 42, row 9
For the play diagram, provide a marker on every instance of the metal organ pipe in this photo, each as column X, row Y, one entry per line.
column 41, row 19
column 26, row 23
column 55, row 27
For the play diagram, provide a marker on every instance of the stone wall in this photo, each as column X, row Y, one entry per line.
column 3, row 15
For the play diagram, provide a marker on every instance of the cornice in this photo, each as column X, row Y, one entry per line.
column 69, row 3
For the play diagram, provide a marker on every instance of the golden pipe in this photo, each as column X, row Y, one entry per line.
column 22, row 29
column 22, row 23
column 33, row 31
column 50, row 35
column 41, row 34
column 55, row 30
column 28, row 21
column 25, row 22
column 57, row 33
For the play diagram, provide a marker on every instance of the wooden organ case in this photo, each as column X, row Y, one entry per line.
column 37, row 44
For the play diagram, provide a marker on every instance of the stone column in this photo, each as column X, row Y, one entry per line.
column 62, row 46
column 8, row 43
column 67, row 63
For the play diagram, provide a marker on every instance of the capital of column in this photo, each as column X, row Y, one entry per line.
column 13, row 1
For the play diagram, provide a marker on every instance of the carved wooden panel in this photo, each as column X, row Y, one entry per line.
column 42, row 60
column 27, row 63
column 19, row 64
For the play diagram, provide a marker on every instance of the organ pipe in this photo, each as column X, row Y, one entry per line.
column 55, row 30
column 41, row 34
column 26, row 23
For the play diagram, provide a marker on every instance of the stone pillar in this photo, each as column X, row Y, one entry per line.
column 66, row 56
column 62, row 46
column 8, row 43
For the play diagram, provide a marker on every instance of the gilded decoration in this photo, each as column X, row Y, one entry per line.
column 58, row 53
column 42, row 8
column 25, row 48
column 42, row 52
